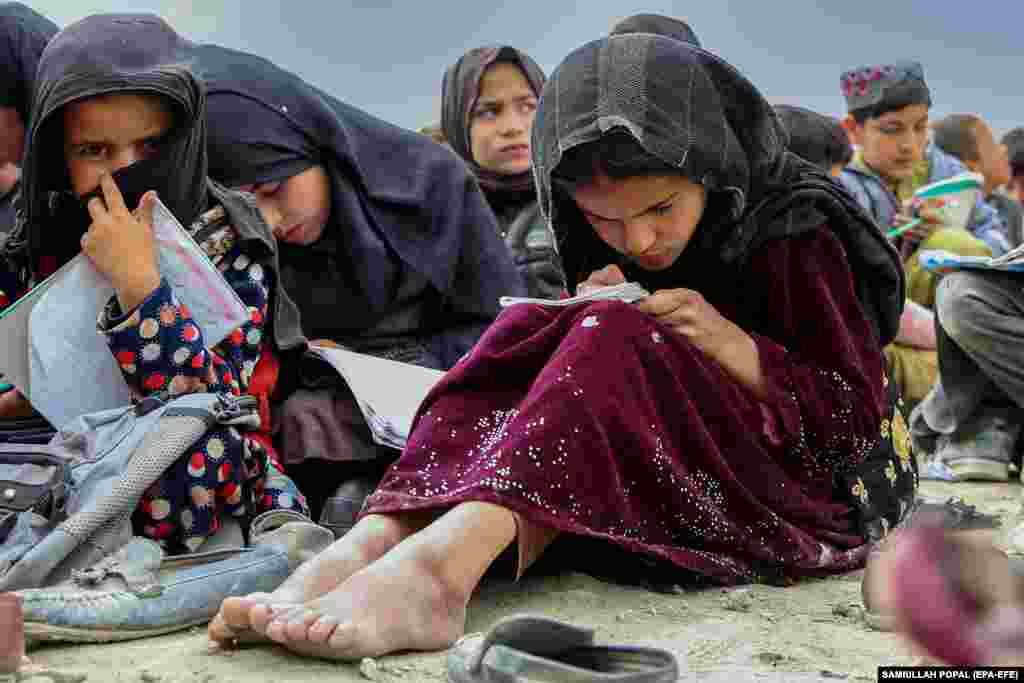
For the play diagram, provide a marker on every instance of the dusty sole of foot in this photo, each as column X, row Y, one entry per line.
column 36, row 632
column 333, row 652
column 345, row 623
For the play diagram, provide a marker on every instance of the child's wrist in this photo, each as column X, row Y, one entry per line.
column 135, row 288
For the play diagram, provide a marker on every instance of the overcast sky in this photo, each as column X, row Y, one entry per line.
column 389, row 57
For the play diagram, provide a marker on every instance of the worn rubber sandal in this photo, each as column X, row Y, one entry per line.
column 539, row 649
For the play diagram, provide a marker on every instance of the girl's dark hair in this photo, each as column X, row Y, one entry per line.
column 815, row 137
column 956, row 135
column 617, row 155
column 1014, row 141
column 897, row 97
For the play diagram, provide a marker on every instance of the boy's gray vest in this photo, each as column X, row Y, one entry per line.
column 113, row 457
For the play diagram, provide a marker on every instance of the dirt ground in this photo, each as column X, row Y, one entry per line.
column 809, row 632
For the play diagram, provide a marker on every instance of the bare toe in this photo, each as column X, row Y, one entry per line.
column 345, row 643
column 337, row 641
column 260, row 617
column 322, row 629
column 297, row 625
column 234, row 621
column 219, row 630
column 281, row 617
column 277, row 631
column 237, row 611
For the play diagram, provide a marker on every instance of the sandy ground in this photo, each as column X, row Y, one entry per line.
column 810, row 632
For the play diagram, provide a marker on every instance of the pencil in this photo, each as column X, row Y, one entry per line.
column 896, row 232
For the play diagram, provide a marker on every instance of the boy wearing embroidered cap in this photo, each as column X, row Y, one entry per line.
column 888, row 109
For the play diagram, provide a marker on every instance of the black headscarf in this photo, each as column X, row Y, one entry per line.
column 23, row 35
column 658, row 25
column 818, row 138
column 697, row 113
column 399, row 201
column 459, row 93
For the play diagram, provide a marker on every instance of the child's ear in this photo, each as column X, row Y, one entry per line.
column 853, row 129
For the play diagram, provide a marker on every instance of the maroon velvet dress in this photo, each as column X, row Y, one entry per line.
column 600, row 422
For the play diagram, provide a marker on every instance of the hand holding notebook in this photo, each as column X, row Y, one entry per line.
column 52, row 351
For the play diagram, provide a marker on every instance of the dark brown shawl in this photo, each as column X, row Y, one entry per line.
column 694, row 111
column 459, row 92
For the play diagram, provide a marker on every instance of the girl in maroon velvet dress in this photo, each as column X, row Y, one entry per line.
column 715, row 428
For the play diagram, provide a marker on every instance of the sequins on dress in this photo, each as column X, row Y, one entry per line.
column 599, row 421
column 160, row 348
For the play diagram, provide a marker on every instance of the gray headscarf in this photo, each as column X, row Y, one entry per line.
column 697, row 113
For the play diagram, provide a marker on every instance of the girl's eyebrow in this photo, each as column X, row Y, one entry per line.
column 650, row 208
column 490, row 101
column 148, row 135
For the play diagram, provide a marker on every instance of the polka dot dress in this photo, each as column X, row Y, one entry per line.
column 159, row 347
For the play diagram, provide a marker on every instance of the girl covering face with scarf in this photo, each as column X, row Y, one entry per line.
column 489, row 98
column 708, row 431
column 118, row 120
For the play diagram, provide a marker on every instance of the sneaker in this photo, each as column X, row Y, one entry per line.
column 922, row 437
column 980, row 450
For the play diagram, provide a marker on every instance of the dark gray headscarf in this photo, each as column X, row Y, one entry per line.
column 657, row 24
column 107, row 54
column 24, row 34
column 695, row 112
column 126, row 53
column 401, row 206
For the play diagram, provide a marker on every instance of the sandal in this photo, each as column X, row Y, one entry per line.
column 536, row 648
column 341, row 510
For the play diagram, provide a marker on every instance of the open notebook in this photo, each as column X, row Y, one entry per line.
column 940, row 261
column 628, row 292
column 952, row 199
column 388, row 392
column 52, row 350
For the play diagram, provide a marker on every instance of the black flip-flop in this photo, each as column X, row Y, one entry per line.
column 539, row 649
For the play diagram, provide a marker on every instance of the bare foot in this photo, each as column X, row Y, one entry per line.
column 955, row 596
column 397, row 603
column 245, row 619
